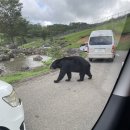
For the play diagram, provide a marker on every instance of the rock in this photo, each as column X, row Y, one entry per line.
column 38, row 51
column 12, row 46
column 1, row 71
column 28, row 51
column 64, row 44
column 25, row 68
column 37, row 58
column 4, row 57
column 73, row 52
column 4, row 50
column 21, row 55
column 16, row 51
column 11, row 55
column 12, row 59
column 0, row 58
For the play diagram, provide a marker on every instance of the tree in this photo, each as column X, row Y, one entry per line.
column 44, row 34
column 11, row 19
column 34, row 30
column 21, row 31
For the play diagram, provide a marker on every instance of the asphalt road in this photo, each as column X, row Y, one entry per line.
column 68, row 105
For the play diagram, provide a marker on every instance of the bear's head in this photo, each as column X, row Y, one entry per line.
column 56, row 64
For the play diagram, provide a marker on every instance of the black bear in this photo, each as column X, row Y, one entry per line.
column 71, row 64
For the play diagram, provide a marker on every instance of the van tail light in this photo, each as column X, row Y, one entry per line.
column 113, row 49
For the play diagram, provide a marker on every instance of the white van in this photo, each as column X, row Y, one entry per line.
column 101, row 45
column 11, row 109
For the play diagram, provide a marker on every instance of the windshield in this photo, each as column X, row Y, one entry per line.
column 101, row 40
column 44, row 51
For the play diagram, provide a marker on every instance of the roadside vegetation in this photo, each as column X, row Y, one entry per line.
column 18, row 76
column 11, row 78
column 36, row 43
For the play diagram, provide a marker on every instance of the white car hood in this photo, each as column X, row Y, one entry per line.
column 5, row 89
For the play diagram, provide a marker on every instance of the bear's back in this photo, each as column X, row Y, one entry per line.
column 77, row 60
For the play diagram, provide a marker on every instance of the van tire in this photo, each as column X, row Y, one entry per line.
column 90, row 59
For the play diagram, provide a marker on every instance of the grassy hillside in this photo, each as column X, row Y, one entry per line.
column 121, row 26
column 127, row 26
column 75, row 37
column 118, row 26
column 33, row 44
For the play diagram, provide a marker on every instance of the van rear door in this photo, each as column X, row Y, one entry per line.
column 101, row 44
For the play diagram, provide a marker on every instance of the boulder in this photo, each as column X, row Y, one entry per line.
column 28, row 51
column 37, row 58
column 73, row 52
column 11, row 59
column 12, row 46
column 4, row 57
column 16, row 51
column 11, row 55
column 21, row 55
column 0, row 57
column 1, row 71
column 25, row 68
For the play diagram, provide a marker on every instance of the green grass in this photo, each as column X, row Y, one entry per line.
column 75, row 37
column 123, row 46
column 15, row 77
column 34, row 44
column 118, row 27
column 127, row 26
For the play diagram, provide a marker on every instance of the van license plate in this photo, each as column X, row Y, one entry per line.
column 100, row 50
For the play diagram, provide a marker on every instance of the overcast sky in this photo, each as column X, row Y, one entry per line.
column 48, row 12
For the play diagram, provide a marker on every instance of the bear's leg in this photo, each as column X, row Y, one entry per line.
column 69, row 76
column 81, row 76
column 61, row 76
column 89, row 75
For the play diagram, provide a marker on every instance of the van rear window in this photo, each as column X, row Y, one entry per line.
column 101, row 40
